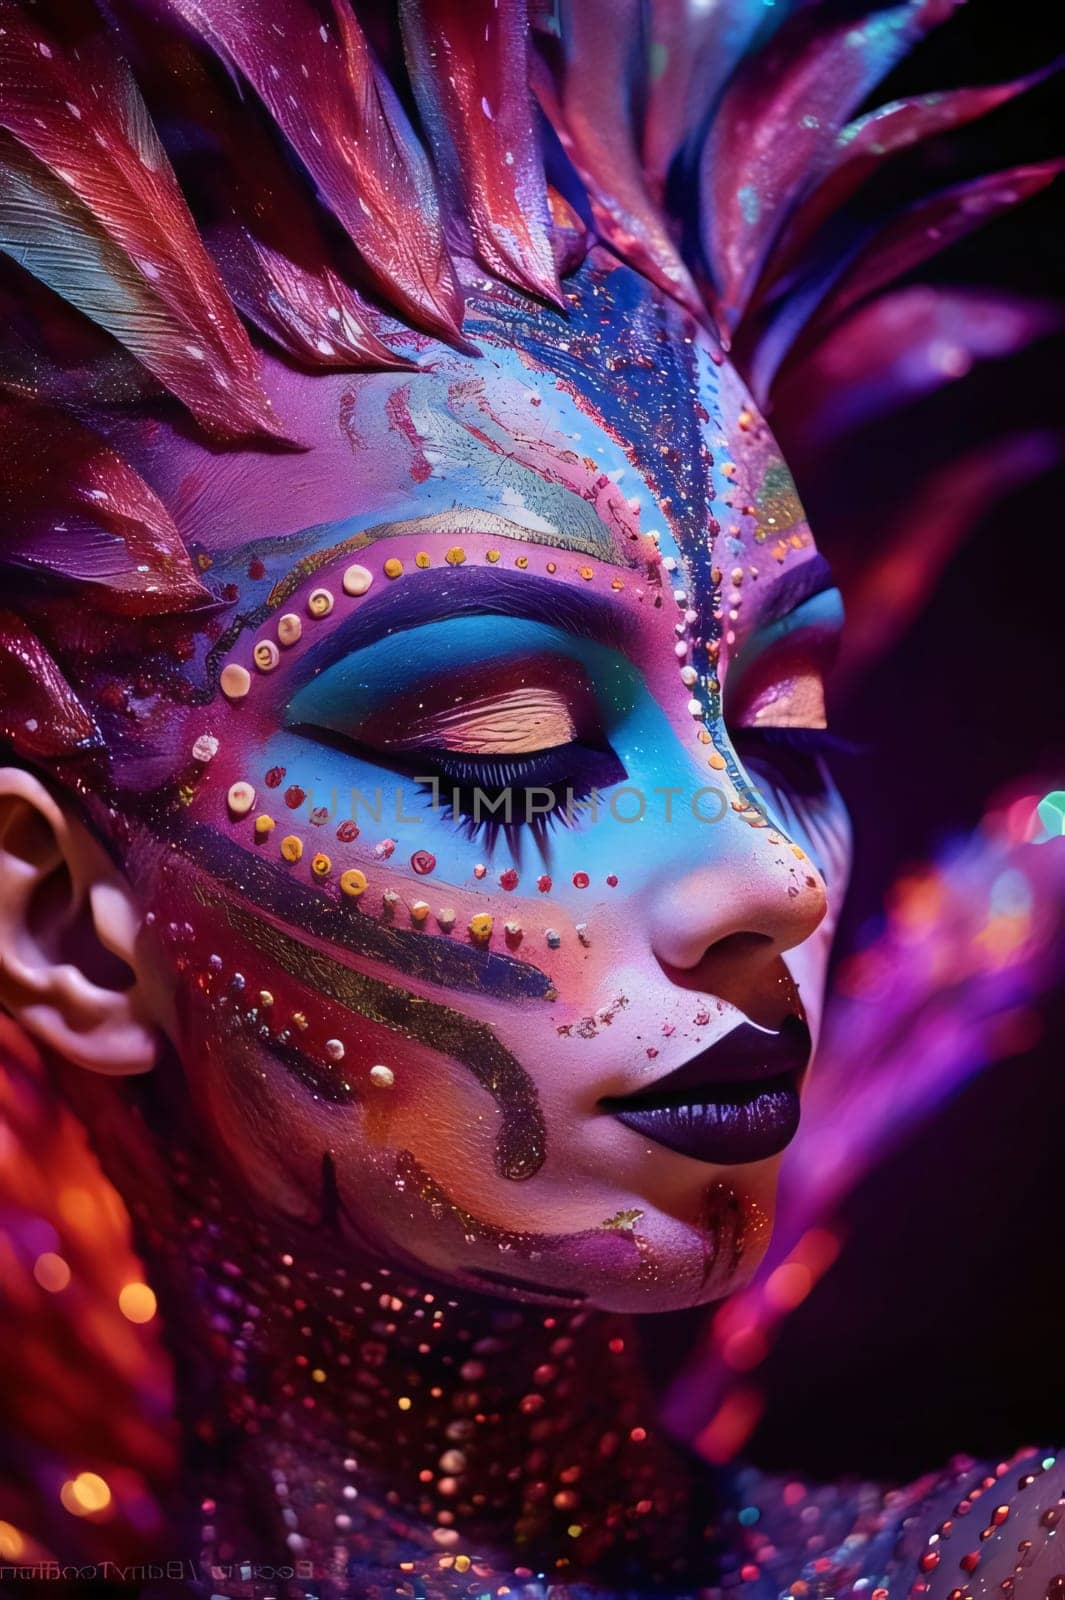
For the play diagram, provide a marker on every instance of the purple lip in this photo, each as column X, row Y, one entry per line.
column 736, row 1102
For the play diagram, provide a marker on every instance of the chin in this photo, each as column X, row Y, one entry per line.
column 680, row 1284
column 641, row 1262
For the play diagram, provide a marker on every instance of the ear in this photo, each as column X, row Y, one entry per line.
column 68, row 932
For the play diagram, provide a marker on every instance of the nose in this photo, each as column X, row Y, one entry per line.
column 754, row 905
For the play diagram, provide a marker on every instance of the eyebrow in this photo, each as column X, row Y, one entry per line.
column 786, row 593
column 419, row 598
column 595, row 540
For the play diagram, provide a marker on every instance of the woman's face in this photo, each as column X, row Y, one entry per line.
column 494, row 911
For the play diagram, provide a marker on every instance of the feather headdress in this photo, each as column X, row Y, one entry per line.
column 183, row 180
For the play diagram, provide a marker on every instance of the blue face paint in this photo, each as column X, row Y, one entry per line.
column 823, row 611
column 630, row 731
column 363, row 681
column 438, row 596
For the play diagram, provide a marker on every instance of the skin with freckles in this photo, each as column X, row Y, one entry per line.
column 567, row 573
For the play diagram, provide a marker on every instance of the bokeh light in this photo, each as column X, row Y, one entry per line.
column 12, row 1543
column 51, row 1272
column 85, row 1495
column 137, row 1302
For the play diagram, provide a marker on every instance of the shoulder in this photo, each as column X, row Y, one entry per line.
column 972, row 1531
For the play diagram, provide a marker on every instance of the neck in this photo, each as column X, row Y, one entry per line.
column 350, row 1416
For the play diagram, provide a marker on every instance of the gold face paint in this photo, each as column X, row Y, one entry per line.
column 490, row 522
column 511, row 722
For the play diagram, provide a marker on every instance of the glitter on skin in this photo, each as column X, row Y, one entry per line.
column 452, row 966
column 535, row 1007
column 520, row 1144
column 572, row 924
column 348, row 1407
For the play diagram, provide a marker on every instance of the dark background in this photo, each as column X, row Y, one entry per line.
column 942, row 1327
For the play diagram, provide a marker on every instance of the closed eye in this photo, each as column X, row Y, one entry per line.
column 777, row 722
column 503, row 745
column 778, row 679
column 527, row 707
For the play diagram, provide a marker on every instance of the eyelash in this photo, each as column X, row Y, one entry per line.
column 788, row 764
column 571, row 772
column 788, row 760
column 811, row 741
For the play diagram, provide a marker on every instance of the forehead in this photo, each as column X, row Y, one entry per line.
column 612, row 431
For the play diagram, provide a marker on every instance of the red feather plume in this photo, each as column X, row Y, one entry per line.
column 89, row 203
column 469, row 71
column 322, row 87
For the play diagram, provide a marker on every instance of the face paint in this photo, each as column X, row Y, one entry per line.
column 493, row 807
column 520, row 1146
column 454, row 700
column 451, row 966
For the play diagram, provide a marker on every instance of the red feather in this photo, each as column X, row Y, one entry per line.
column 929, row 227
column 591, row 103
column 124, row 249
column 40, row 715
column 863, row 146
column 894, row 349
column 71, row 509
column 322, row 87
column 469, row 69
column 778, row 116
column 692, row 51
column 260, row 223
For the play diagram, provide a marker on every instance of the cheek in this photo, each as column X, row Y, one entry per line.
column 294, row 1147
column 275, row 1025
column 301, row 1095
column 406, row 1163
column 344, row 851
